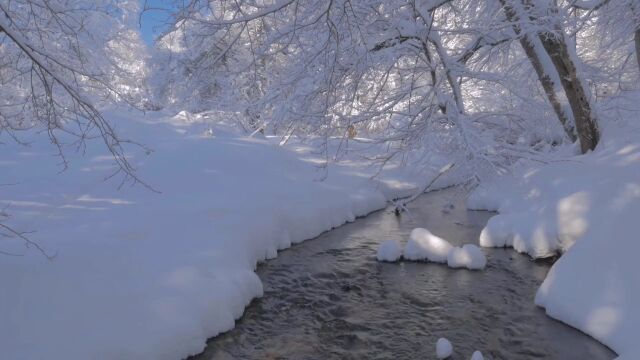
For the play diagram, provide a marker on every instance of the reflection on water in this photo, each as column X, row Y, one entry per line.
column 330, row 299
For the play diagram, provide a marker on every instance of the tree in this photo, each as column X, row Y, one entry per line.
column 619, row 17
column 546, row 45
column 478, row 78
column 59, row 61
column 57, row 58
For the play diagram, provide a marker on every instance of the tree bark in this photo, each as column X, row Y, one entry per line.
column 549, row 86
column 559, row 79
column 586, row 123
column 638, row 47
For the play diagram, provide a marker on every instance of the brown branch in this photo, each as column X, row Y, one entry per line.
column 393, row 42
column 595, row 7
column 479, row 44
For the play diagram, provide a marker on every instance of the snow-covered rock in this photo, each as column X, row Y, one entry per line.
column 389, row 250
column 423, row 245
column 477, row 355
column 444, row 349
column 469, row 256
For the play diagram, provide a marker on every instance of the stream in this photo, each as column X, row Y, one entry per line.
column 330, row 299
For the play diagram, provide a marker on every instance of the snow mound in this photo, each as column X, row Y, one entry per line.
column 423, row 245
column 594, row 286
column 469, row 256
column 538, row 239
column 389, row 250
column 477, row 355
column 444, row 349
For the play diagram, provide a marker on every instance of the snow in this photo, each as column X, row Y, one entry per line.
column 538, row 239
column 444, row 349
column 389, row 250
column 138, row 274
column 469, row 256
column 585, row 208
column 477, row 355
column 423, row 245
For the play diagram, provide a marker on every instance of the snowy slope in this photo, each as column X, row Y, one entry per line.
column 145, row 275
column 586, row 207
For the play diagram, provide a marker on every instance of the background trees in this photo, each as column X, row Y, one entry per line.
column 491, row 75
column 488, row 81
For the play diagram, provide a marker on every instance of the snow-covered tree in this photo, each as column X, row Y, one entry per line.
column 488, row 80
column 60, row 60
column 540, row 27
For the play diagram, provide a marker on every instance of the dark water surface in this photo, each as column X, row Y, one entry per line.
column 330, row 299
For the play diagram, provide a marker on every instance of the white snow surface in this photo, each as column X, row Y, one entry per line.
column 469, row 256
column 137, row 274
column 423, row 245
column 587, row 208
column 389, row 250
column 444, row 349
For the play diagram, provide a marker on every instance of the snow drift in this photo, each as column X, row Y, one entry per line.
column 585, row 207
column 142, row 275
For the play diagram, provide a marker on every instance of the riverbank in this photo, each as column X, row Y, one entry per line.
column 129, row 273
column 585, row 207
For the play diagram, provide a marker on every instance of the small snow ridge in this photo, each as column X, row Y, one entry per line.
column 423, row 245
column 469, row 256
column 113, row 201
column 389, row 250
column 444, row 349
column 496, row 233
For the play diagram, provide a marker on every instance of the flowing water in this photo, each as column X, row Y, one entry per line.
column 330, row 299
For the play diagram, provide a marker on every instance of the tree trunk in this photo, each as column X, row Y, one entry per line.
column 548, row 84
column 638, row 47
column 557, row 72
column 586, row 124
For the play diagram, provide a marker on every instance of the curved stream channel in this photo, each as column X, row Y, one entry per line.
column 330, row 299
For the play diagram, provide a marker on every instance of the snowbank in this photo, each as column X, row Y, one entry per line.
column 145, row 275
column 586, row 207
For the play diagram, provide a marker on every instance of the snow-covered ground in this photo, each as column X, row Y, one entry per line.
column 137, row 274
column 587, row 208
